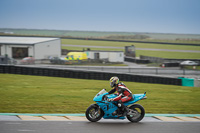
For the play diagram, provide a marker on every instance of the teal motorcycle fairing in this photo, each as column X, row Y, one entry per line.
column 110, row 107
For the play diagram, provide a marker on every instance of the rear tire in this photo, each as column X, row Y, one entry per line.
column 138, row 113
column 94, row 113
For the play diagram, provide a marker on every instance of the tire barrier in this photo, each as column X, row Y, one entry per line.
column 163, row 60
column 170, row 64
column 139, row 61
column 55, row 72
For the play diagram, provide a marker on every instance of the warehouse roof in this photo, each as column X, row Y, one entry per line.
column 24, row 40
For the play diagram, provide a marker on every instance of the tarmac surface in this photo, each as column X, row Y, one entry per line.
column 77, row 123
column 98, row 127
column 147, row 125
column 81, row 117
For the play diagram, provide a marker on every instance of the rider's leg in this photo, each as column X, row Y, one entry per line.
column 122, row 107
column 125, row 109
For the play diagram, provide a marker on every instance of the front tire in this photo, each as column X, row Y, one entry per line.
column 94, row 113
column 137, row 113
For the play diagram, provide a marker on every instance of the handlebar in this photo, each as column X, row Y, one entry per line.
column 104, row 98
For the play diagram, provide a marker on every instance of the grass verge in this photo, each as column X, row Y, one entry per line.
column 192, row 67
column 122, row 44
column 162, row 54
column 39, row 94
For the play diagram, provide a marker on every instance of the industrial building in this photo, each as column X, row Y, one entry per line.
column 37, row 47
column 110, row 56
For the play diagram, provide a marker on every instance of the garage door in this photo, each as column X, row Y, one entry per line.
column 19, row 52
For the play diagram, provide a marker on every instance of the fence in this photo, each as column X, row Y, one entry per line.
column 86, row 74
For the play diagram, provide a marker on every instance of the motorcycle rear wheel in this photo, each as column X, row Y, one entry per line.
column 138, row 113
column 94, row 113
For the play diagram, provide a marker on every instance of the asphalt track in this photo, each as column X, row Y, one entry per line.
column 98, row 127
column 77, row 123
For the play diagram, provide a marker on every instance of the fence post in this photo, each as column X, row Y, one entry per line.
column 183, row 71
column 156, row 71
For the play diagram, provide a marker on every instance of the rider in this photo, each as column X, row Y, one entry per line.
column 124, row 94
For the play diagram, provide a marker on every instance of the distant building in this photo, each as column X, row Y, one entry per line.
column 110, row 56
column 130, row 51
column 37, row 47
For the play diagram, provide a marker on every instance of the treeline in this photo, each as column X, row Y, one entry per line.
column 127, row 37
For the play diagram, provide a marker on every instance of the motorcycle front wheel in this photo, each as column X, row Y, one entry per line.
column 136, row 113
column 94, row 113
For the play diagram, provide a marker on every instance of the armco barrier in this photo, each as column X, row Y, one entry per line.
column 83, row 74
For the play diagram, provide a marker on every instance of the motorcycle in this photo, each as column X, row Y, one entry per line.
column 110, row 110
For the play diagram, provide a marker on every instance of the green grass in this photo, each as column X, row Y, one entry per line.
column 122, row 44
column 192, row 67
column 38, row 94
column 166, row 54
column 80, row 48
column 162, row 54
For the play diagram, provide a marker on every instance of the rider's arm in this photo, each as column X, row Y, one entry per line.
column 112, row 91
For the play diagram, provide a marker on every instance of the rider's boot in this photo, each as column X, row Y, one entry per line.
column 123, row 108
column 125, row 111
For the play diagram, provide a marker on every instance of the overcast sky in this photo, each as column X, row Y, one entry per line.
column 160, row 16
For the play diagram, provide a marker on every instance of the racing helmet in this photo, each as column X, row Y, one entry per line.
column 114, row 81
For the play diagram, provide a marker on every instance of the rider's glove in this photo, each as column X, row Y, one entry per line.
column 110, row 100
